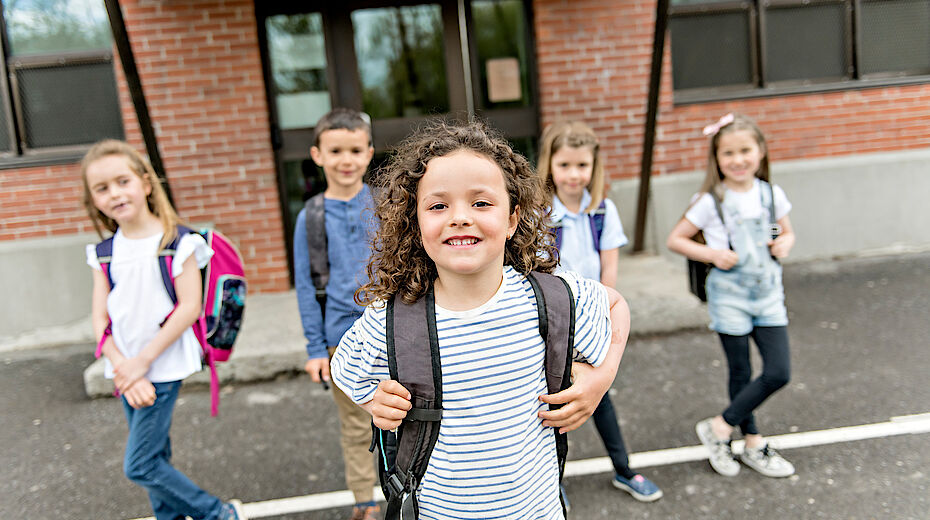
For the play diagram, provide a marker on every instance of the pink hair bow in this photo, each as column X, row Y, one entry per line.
column 712, row 129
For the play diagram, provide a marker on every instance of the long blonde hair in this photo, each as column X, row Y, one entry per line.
column 713, row 181
column 157, row 199
column 574, row 134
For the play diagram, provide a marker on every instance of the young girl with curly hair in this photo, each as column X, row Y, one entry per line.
column 465, row 215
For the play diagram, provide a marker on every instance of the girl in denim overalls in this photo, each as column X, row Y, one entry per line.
column 745, row 296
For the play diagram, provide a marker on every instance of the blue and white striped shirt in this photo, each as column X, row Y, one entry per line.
column 493, row 458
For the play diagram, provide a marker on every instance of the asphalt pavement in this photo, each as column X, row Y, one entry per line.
column 860, row 355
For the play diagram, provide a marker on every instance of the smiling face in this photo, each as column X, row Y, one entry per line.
column 117, row 190
column 739, row 156
column 344, row 156
column 464, row 215
column 571, row 169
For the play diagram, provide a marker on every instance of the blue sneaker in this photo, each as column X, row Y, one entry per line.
column 232, row 510
column 640, row 487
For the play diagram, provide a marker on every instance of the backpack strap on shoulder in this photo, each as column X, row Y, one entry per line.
column 411, row 338
column 723, row 222
column 556, row 306
column 317, row 246
column 104, row 257
column 104, row 251
column 166, row 261
column 596, row 220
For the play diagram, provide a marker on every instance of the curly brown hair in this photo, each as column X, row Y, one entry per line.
column 399, row 263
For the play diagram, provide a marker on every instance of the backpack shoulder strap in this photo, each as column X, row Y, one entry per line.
column 719, row 209
column 556, row 307
column 411, row 338
column 104, row 257
column 596, row 219
column 317, row 247
column 166, row 259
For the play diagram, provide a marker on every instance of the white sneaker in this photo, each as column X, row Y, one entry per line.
column 721, row 455
column 767, row 461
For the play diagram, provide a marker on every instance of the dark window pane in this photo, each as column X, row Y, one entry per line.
column 83, row 113
column 499, row 29
column 698, row 2
column 6, row 140
column 50, row 26
column 895, row 36
column 806, row 42
column 710, row 50
column 401, row 61
column 297, row 52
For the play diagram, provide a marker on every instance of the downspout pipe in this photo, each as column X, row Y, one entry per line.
column 649, row 135
column 128, row 61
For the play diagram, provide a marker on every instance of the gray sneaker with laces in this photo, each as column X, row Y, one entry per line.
column 767, row 461
column 721, row 455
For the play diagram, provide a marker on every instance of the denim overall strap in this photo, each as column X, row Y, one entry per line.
column 749, row 237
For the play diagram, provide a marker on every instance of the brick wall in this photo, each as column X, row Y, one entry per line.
column 594, row 60
column 201, row 72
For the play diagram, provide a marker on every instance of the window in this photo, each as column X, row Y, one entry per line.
column 58, row 86
column 401, row 60
column 723, row 49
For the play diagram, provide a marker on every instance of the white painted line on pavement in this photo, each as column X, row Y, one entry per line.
column 900, row 425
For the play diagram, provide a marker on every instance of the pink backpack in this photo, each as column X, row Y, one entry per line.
column 224, row 290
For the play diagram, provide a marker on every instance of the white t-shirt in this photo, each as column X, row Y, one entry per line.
column 577, row 252
column 736, row 205
column 138, row 302
column 493, row 457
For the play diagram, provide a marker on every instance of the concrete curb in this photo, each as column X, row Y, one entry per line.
column 271, row 341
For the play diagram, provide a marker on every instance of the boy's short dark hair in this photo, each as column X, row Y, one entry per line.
column 342, row 119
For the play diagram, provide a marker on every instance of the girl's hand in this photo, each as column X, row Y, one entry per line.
column 389, row 405
column 781, row 246
column 141, row 394
column 725, row 258
column 128, row 372
column 579, row 400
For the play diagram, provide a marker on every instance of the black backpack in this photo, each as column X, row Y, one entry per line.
column 411, row 340
column 317, row 247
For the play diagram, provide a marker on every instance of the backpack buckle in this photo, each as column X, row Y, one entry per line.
column 775, row 230
column 395, row 486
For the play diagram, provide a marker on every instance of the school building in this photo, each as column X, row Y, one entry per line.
column 233, row 89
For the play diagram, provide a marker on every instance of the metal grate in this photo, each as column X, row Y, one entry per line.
column 711, row 50
column 6, row 140
column 806, row 43
column 894, row 36
column 67, row 105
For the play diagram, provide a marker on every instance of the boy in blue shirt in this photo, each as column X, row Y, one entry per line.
column 342, row 148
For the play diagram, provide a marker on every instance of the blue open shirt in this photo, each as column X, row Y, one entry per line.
column 349, row 227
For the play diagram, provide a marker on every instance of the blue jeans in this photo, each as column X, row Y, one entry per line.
column 147, row 461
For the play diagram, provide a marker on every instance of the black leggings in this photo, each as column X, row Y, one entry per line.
column 605, row 420
column 746, row 396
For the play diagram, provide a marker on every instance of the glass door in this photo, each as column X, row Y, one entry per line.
column 402, row 63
